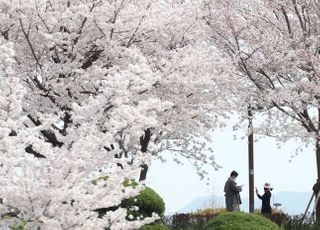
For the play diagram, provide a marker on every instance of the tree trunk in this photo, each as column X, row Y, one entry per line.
column 317, row 185
column 143, row 172
column 144, row 141
column 318, row 169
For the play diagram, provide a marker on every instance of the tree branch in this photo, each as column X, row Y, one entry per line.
column 26, row 35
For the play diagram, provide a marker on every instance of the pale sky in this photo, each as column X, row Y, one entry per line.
column 179, row 184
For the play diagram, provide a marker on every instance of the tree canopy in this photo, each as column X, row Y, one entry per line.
column 98, row 89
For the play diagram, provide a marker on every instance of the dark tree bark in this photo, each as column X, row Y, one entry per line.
column 51, row 138
column 316, row 188
column 318, row 169
column 144, row 141
column 30, row 150
column 143, row 172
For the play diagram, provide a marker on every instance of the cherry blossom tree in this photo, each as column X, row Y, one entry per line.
column 185, row 59
column 51, row 186
column 273, row 47
column 108, row 86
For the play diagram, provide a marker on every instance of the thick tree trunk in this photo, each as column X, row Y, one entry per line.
column 318, row 168
column 144, row 141
column 317, row 185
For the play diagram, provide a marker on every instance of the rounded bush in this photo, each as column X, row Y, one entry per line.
column 148, row 202
column 154, row 227
column 240, row 221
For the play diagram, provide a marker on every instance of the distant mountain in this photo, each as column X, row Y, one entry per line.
column 291, row 202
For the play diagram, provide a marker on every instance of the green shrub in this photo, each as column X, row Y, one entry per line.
column 240, row 221
column 148, row 202
column 155, row 226
column 185, row 221
column 315, row 227
column 292, row 222
column 277, row 217
column 130, row 183
column 94, row 182
column 193, row 220
column 19, row 227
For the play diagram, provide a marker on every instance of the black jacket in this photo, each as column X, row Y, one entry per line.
column 266, row 208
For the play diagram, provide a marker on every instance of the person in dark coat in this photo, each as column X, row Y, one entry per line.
column 266, row 207
column 232, row 193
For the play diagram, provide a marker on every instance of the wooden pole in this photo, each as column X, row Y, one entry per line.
column 307, row 208
column 250, row 161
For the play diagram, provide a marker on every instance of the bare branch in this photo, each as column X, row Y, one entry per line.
column 302, row 25
column 130, row 42
column 287, row 21
column 26, row 35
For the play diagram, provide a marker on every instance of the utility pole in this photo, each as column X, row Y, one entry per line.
column 250, row 160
